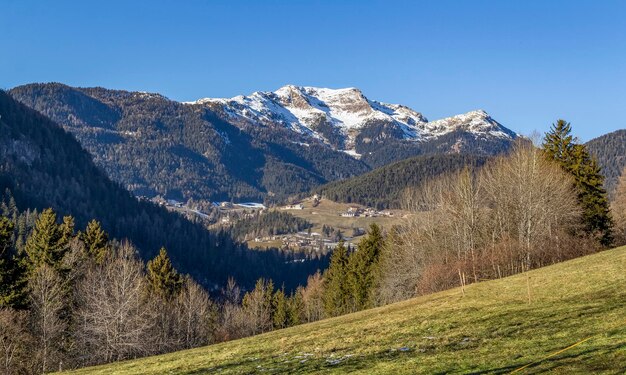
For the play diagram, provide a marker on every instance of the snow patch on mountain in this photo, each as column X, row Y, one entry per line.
column 306, row 110
column 477, row 122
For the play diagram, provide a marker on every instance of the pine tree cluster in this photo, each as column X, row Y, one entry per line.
column 574, row 158
column 351, row 279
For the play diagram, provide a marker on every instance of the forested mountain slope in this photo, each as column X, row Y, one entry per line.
column 153, row 145
column 384, row 186
column 265, row 146
column 610, row 151
column 44, row 166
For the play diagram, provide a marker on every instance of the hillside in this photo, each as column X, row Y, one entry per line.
column 265, row 146
column 574, row 324
column 44, row 166
column 383, row 187
column 610, row 151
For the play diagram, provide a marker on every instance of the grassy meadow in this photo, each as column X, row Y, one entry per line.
column 492, row 329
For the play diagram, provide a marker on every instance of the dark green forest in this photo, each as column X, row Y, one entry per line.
column 268, row 224
column 383, row 187
column 152, row 145
column 378, row 154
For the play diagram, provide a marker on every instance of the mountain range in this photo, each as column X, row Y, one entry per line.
column 264, row 146
column 346, row 120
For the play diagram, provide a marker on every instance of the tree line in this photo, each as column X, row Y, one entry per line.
column 530, row 208
column 347, row 285
column 74, row 298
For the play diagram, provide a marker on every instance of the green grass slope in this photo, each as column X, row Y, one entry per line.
column 492, row 329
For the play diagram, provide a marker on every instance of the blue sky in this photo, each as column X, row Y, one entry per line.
column 527, row 63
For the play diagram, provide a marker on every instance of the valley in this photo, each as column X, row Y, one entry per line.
column 312, row 187
column 350, row 220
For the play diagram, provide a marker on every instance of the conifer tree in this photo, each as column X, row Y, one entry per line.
column 6, row 231
column 295, row 308
column 12, row 291
column 20, row 236
column 364, row 270
column 560, row 145
column 49, row 241
column 13, row 211
column 279, row 309
column 592, row 196
column 96, row 241
column 162, row 277
column 67, row 229
column 336, row 293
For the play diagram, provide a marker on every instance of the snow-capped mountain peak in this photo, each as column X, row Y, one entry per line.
column 477, row 122
column 328, row 114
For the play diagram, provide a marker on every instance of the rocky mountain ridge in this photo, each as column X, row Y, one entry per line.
column 338, row 116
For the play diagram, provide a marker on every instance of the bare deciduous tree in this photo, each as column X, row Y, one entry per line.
column 195, row 316
column 231, row 320
column 517, row 213
column 15, row 342
column 114, row 319
column 533, row 202
column 47, row 300
column 618, row 208
column 312, row 297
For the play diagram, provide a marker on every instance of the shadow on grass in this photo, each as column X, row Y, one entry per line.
column 590, row 360
column 312, row 365
column 523, row 321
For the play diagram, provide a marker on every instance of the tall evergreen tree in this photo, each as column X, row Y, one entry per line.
column 364, row 269
column 336, row 293
column 12, row 279
column 67, row 229
column 163, row 279
column 279, row 309
column 560, row 145
column 592, row 195
column 6, row 232
column 295, row 308
column 49, row 241
column 96, row 241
